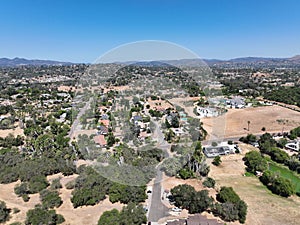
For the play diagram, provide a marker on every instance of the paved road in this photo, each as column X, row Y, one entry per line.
column 157, row 209
column 76, row 121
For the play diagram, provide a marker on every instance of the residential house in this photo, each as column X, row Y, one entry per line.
column 293, row 146
column 236, row 102
column 104, row 122
column 100, row 140
column 104, row 117
column 206, row 112
column 178, row 131
column 196, row 219
column 102, row 130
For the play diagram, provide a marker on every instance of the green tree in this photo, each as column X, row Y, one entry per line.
column 4, row 212
column 227, row 194
column 50, row 199
column 133, row 214
column 186, row 173
column 217, row 161
column 209, row 182
column 255, row 162
column 111, row 217
column 38, row 216
column 37, row 183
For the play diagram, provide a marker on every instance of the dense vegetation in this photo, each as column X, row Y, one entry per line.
column 91, row 188
column 130, row 215
column 185, row 196
column 4, row 212
column 31, row 171
column 230, row 208
column 39, row 215
column 255, row 162
column 288, row 95
column 277, row 184
column 50, row 199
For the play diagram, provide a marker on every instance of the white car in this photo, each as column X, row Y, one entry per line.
column 176, row 209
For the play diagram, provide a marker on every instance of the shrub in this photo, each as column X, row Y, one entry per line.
column 70, row 184
column 186, row 173
column 50, row 199
column 255, row 162
column 56, row 184
column 4, row 212
column 209, row 182
column 278, row 185
column 231, row 207
column 217, row 161
column 37, row 183
column 38, row 216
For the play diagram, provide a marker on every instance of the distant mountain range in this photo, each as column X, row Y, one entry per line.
column 256, row 60
column 5, row 62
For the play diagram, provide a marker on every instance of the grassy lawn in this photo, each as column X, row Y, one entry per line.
column 286, row 173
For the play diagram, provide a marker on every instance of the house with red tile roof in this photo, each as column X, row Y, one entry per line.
column 100, row 140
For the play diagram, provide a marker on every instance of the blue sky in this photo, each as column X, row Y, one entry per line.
column 81, row 31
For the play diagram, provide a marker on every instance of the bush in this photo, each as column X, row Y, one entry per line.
column 248, row 139
column 278, row 185
column 227, row 194
column 231, row 207
column 255, row 162
column 126, row 194
column 278, row 155
column 90, row 188
column 209, row 182
column 50, row 199
column 56, row 184
column 16, row 210
column 38, row 216
column 186, row 173
column 111, row 217
column 4, row 212
column 70, row 184
column 217, row 161
column 37, row 183
column 130, row 215
column 185, row 196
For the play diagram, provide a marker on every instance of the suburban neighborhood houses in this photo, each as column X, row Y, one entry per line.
column 142, row 144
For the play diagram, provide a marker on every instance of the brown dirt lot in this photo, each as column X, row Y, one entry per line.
column 83, row 215
column 264, row 208
column 273, row 118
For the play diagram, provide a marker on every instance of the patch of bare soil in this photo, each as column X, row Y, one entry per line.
column 169, row 182
column 8, row 195
column 15, row 132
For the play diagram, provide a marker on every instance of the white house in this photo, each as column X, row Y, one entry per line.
column 294, row 146
column 206, row 112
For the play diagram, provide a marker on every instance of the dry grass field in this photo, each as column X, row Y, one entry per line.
column 235, row 121
column 264, row 208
